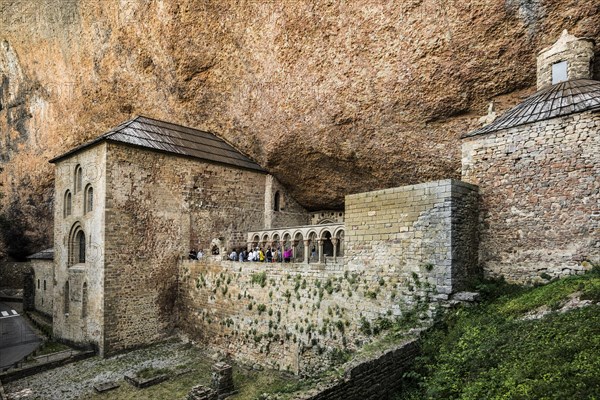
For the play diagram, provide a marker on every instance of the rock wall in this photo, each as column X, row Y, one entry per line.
column 539, row 197
column 12, row 274
column 332, row 97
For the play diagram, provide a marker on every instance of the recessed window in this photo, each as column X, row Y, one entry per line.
column 77, row 247
column 89, row 198
column 67, row 204
column 559, row 72
column 38, row 283
column 67, row 298
column 80, row 240
column 84, row 300
column 277, row 202
column 44, row 284
column 78, row 178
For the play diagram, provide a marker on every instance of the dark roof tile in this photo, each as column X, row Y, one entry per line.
column 558, row 100
column 171, row 138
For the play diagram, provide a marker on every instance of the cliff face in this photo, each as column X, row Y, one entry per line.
column 333, row 97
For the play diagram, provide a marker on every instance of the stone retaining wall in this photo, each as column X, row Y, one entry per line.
column 377, row 379
column 291, row 317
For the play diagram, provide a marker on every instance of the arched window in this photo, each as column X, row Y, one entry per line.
column 277, row 201
column 89, row 199
column 67, row 204
column 84, row 300
column 76, row 246
column 80, row 242
column 78, row 178
column 67, row 298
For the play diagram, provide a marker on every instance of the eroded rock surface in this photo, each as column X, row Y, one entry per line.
column 333, row 97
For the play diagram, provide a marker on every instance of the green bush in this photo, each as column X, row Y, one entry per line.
column 260, row 278
column 491, row 352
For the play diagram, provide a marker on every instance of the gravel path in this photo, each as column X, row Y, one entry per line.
column 76, row 381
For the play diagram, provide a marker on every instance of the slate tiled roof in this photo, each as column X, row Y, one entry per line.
column 47, row 254
column 172, row 138
column 555, row 101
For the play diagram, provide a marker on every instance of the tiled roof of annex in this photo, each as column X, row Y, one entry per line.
column 47, row 254
column 558, row 100
column 172, row 138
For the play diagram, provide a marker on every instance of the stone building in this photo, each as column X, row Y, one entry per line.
column 131, row 203
column 538, row 169
column 135, row 200
column 42, row 266
column 128, row 205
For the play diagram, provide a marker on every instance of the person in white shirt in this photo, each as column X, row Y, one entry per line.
column 233, row 255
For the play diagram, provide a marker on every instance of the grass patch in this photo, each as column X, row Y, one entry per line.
column 151, row 372
column 252, row 384
column 50, row 347
column 490, row 352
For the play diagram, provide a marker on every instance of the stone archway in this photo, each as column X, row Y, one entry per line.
column 327, row 244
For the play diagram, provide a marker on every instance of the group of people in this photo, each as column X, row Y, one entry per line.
column 258, row 255
column 195, row 254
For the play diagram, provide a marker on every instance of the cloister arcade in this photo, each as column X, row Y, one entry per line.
column 310, row 243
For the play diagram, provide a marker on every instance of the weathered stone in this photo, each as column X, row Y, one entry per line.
column 105, row 386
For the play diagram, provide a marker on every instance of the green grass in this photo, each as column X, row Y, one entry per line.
column 50, row 347
column 491, row 352
column 251, row 384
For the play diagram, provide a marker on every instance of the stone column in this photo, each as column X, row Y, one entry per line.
column 306, row 250
column 320, row 251
column 222, row 379
column 294, row 245
column 334, row 241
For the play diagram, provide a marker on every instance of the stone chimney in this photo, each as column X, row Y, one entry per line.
column 569, row 58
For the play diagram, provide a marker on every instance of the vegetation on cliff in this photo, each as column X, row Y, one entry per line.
column 526, row 343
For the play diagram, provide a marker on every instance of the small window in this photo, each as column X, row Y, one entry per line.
column 277, row 202
column 44, row 284
column 84, row 300
column 38, row 283
column 78, row 178
column 89, row 199
column 80, row 241
column 67, row 204
column 67, row 298
column 559, row 72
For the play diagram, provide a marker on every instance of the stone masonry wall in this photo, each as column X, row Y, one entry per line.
column 378, row 379
column 540, row 196
column 429, row 229
column 78, row 314
column 290, row 213
column 577, row 52
column 43, row 271
column 406, row 251
column 158, row 207
column 292, row 317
